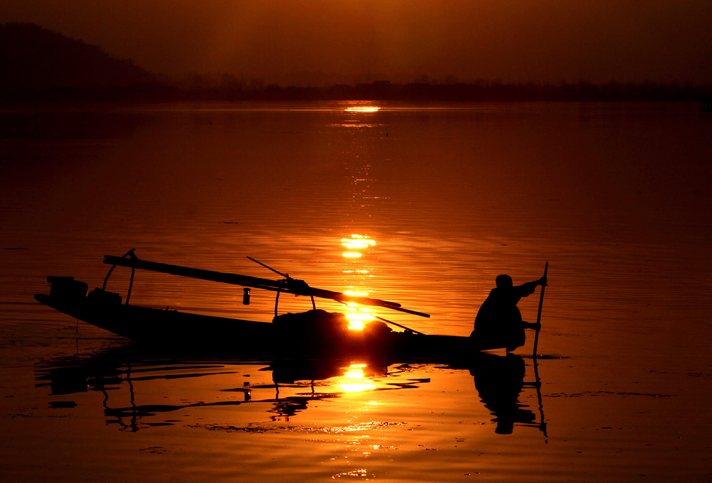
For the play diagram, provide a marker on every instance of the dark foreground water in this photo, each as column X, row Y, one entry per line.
column 423, row 205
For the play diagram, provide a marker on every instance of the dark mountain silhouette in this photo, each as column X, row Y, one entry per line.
column 38, row 63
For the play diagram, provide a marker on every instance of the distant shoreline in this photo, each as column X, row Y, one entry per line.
column 39, row 65
column 377, row 91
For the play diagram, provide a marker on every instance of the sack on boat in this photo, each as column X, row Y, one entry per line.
column 66, row 290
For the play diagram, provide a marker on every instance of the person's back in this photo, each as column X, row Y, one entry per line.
column 498, row 322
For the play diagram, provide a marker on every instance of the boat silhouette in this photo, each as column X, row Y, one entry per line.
column 313, row 332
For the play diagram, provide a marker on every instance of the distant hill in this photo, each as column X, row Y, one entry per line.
column 38, row 63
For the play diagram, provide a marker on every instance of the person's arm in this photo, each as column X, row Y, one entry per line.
column 528, row 288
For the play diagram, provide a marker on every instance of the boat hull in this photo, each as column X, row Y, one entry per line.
column 312, row 333
column 164, row 327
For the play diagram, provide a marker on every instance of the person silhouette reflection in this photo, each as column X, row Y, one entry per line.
column 499, row 380
column 498, row 322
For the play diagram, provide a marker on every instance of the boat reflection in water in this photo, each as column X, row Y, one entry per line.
column 125, row 375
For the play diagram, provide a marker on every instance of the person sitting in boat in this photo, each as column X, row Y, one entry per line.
column 498, row 322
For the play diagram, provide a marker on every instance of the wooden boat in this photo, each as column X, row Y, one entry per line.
column 315, row 331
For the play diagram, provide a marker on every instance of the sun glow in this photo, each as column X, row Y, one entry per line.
column 357, row 315
column 352, row 254
column 361, row 271
column 355, row 380
column 362, row 109
column 358, row 242
column 356, row 247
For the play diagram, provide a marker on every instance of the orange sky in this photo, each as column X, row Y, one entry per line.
column 326, row 41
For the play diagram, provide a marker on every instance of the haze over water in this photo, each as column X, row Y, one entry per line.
column 446, row 197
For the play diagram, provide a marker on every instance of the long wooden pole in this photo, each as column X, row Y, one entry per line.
column 297, row 287
column 538, row 315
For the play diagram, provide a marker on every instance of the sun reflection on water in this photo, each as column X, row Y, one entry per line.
column 350, row 254
column 365, row 108
column 357, row 242
column 357, row 315
column 360, row 271
column 357, row 245
column 355, row 379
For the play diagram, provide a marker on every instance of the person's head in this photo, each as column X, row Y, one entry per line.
column 503, row 281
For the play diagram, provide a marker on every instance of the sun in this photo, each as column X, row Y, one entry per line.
column 362, row 109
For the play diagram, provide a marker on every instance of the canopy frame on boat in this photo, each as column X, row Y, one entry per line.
column 286, row 285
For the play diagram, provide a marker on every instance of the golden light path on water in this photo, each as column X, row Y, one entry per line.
column 355, row 379
column 356, row 246
column 368, row 108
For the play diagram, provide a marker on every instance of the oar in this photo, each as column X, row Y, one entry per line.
column 398, row 325
column 538, row 315
column 285, row 275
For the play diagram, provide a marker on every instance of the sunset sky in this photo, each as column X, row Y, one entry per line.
column 327, row 41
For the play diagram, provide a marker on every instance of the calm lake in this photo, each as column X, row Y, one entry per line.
column 421, row 204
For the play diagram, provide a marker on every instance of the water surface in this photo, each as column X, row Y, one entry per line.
column 614, row 196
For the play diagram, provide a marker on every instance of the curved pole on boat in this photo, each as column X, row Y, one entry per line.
column 131, row 281
column 128, row 254
column 276, row 302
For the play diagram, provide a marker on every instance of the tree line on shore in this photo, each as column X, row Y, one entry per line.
column 38, row 65
column 480, row 91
